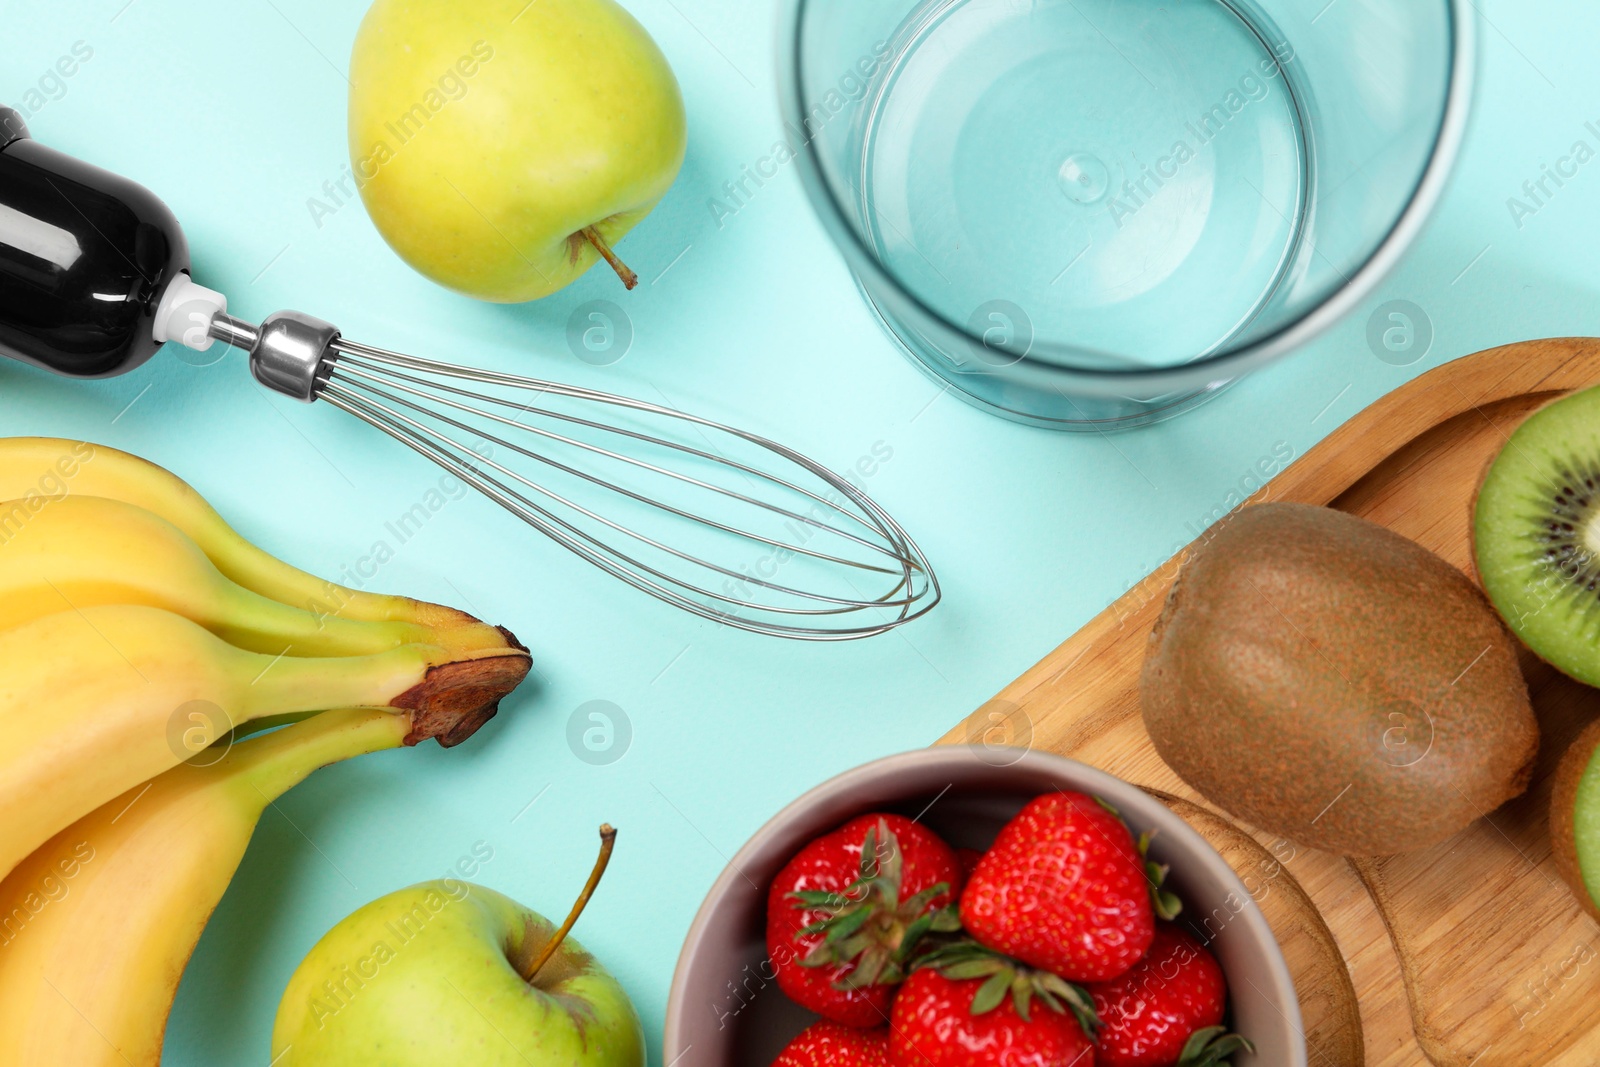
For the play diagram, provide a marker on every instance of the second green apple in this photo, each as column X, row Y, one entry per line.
column 449, row 974
column 503, row 147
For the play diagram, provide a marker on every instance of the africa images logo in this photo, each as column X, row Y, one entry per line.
column 1198, row 132
column 1536, row 193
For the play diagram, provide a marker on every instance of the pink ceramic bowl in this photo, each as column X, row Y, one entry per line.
column 726, row 1011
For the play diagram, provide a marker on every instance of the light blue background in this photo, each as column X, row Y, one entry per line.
column 234, row 113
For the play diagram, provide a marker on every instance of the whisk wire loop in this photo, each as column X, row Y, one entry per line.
column 377, row 383
column 376, row 409
column 668, row 500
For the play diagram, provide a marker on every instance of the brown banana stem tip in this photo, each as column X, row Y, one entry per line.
column 455, row 699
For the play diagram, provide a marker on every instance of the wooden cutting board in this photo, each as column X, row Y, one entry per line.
column 1470, row 954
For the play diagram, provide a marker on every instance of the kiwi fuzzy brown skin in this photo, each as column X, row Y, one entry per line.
column 1563, row 803
column 1334, row 682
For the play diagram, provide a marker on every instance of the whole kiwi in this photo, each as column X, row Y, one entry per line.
column 1334, row 682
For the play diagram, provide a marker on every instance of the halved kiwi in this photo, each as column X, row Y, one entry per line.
column 1575, row 819
column 1536, row 534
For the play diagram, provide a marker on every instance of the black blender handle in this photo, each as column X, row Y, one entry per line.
column 85, row 257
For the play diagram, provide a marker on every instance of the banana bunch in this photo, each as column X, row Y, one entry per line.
column 136, row 629
column 97, row 925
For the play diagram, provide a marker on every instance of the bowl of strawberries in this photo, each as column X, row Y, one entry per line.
column 951, row 908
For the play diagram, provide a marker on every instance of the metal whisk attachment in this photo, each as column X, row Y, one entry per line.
column 720, row 522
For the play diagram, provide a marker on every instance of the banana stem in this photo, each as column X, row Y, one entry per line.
column 278, row 762
column 259, row 726
column 592, row 235
column 251, row 620
column 608, row 842
column 280, row 685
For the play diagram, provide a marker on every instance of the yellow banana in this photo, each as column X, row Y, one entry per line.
column 36, row 471
column 95, row 701
column 97, row 925
column 89, row 551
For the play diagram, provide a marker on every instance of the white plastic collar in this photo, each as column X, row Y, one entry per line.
column 185, row 313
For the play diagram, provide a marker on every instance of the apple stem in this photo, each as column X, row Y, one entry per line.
column 592, row 235
column 608, row 842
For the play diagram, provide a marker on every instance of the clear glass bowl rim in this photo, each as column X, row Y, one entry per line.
column 1219, row 367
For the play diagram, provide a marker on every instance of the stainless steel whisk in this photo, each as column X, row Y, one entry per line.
column 95, row 278
column 718, row 521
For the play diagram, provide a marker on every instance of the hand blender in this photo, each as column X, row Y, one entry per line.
column 718, row 521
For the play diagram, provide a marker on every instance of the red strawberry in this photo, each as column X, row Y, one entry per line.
column 1173, row 996
column 1065, row 889
column 831, row 1045
column 947, row 1022
column 846, row 914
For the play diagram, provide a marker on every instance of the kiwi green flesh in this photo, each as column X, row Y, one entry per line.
column 1575, row 817
column 1586, row 827
column 1536, row 534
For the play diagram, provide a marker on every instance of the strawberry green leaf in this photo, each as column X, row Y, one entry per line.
column 941, row 921
column 869, row 856
column 868, row 971
column 846, row 925
column 992, row 993
column 1166, row 904
column 1022, row 996
column 920, row 902
column 960, row 972
column 1163, row 902
column 965, row 960
column 881, row 859
column 1212, row 1048
column 1077, row 999
column 868, row 931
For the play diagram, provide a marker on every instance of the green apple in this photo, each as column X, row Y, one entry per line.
column 437, row 976
column 502, row 146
